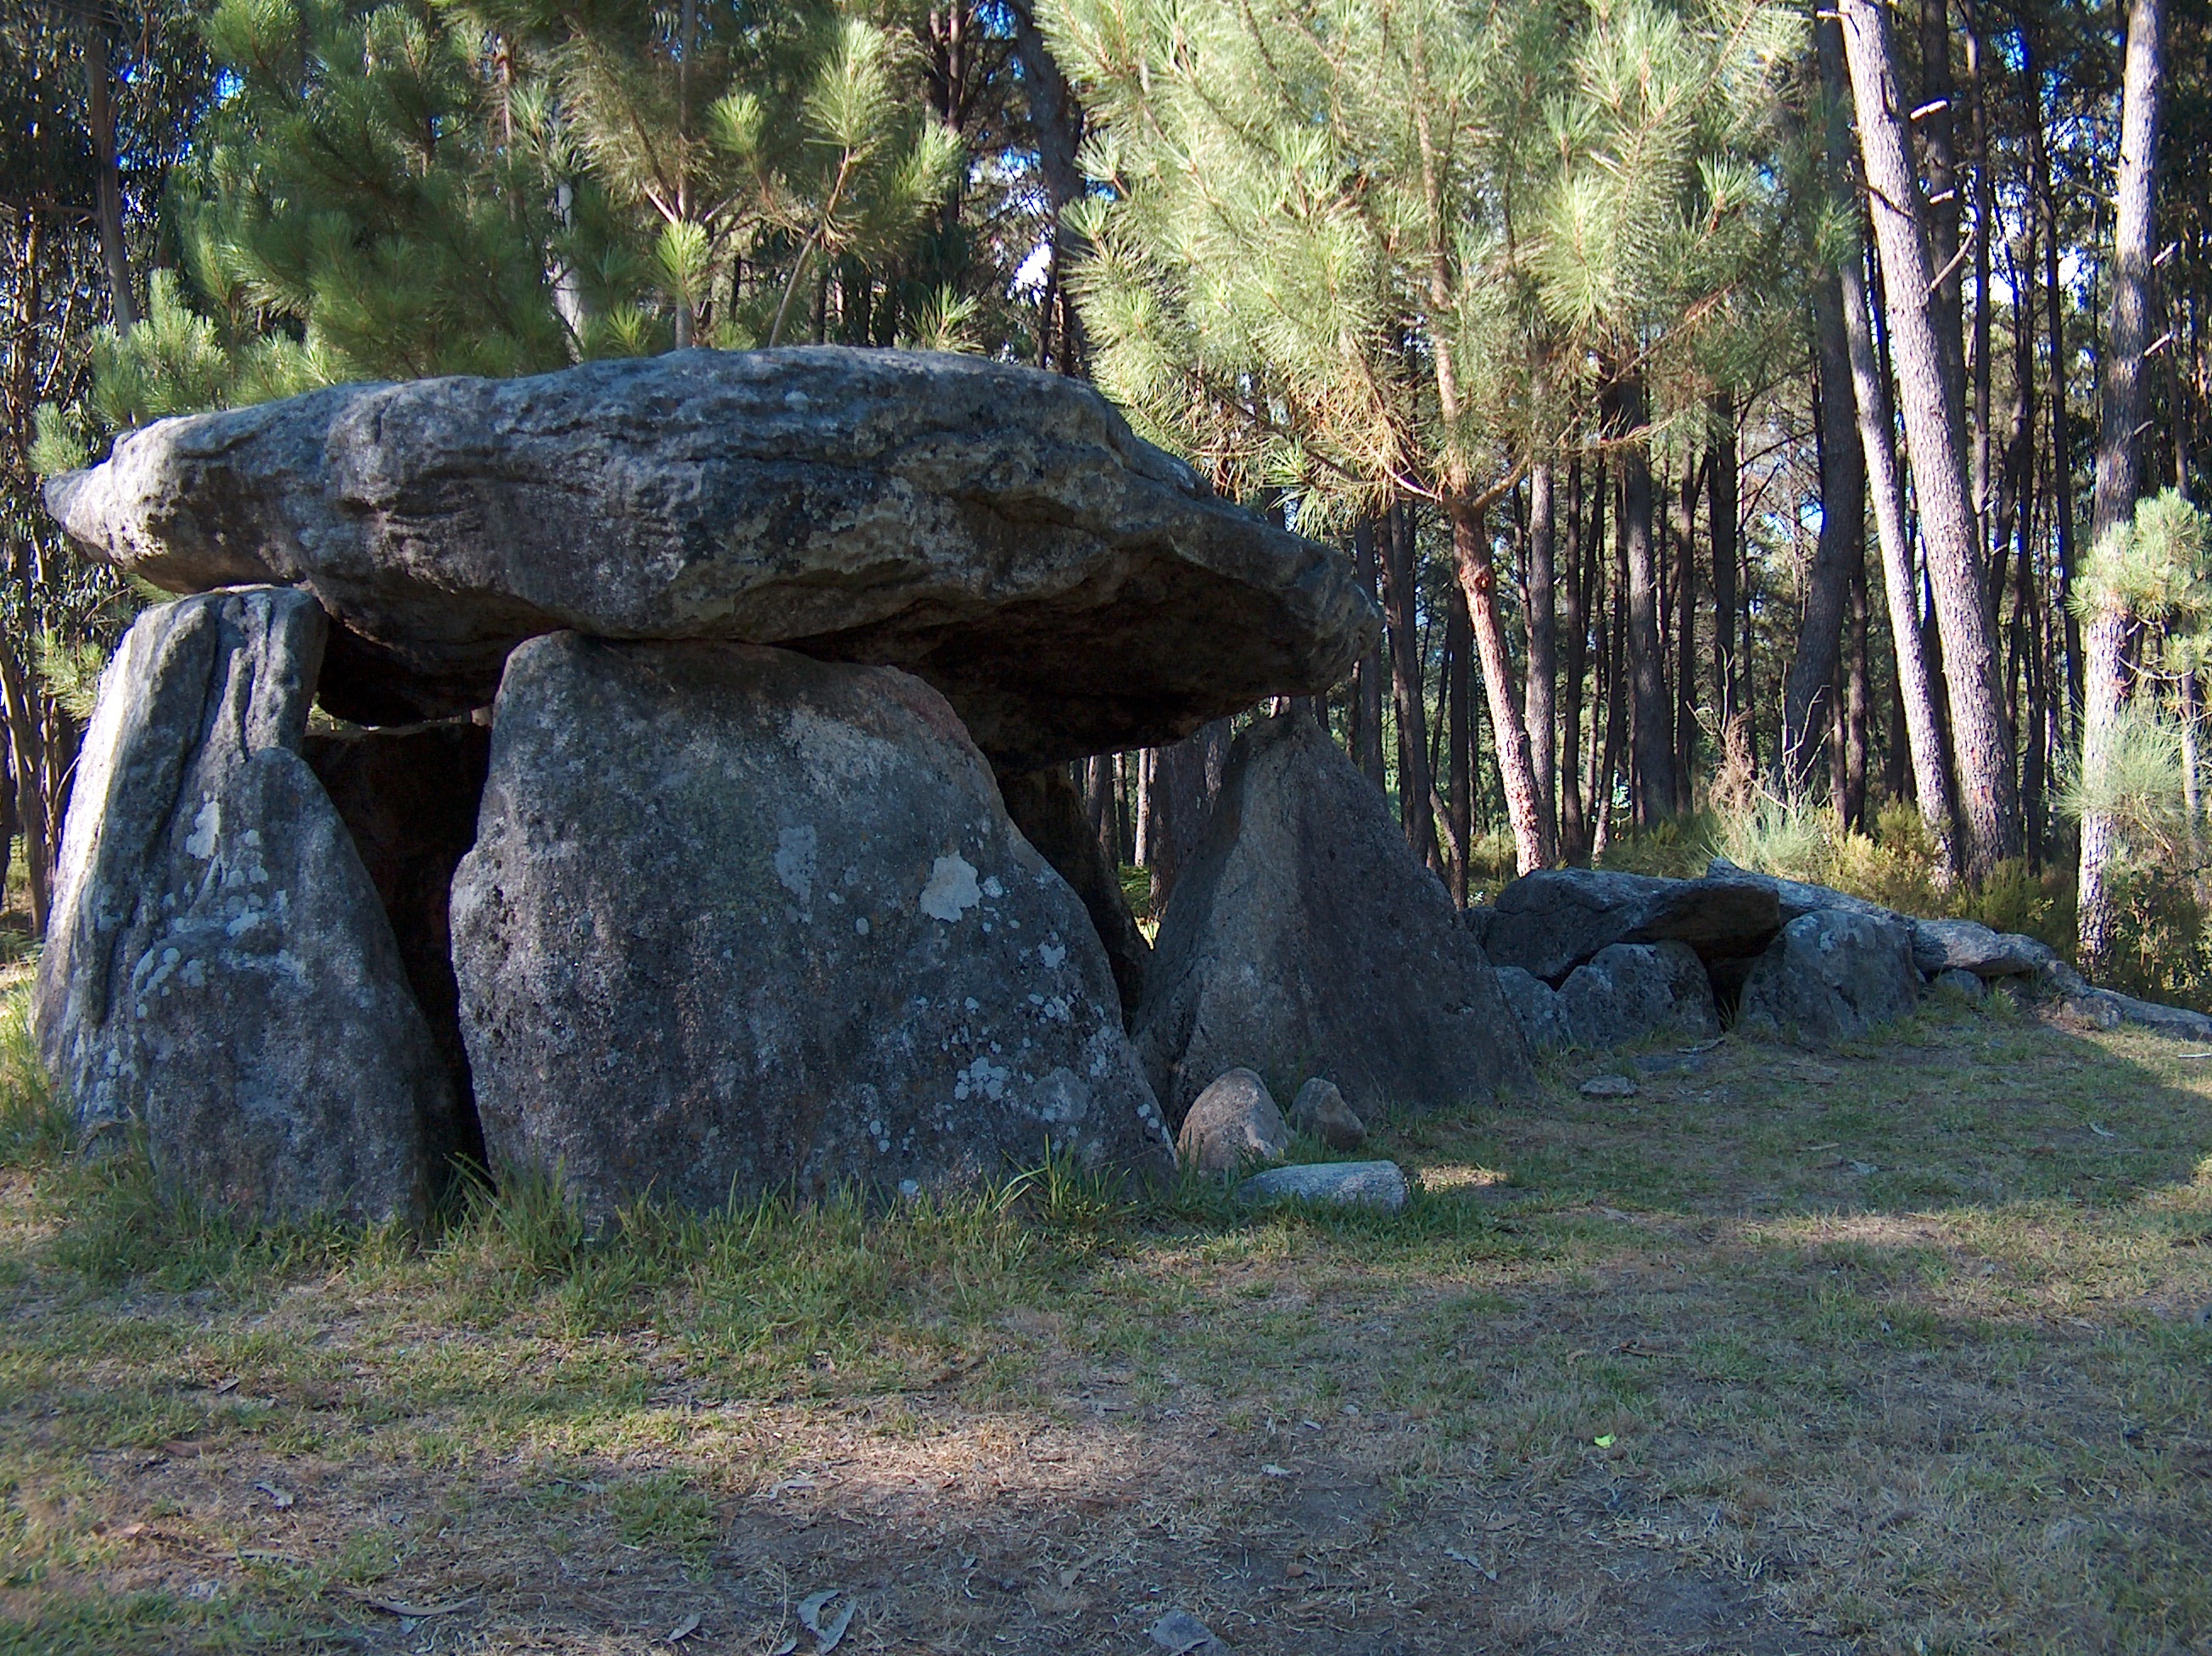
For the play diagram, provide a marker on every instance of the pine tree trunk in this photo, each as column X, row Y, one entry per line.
column 1808, row 692
column 2124, row 395
column 107, row 201
column 27, row 759
column 1851, row 800
column 1460, row 800
column 1933, row 421
column 1650, row 733
column 1407, row 689
column 1915, row 684
column 1543, row 660
column 1721, row 512
column 2054, row 310
column 1532, row 838
column 1574, row 823
column 1366, row 720
column 1685, row 637
column 1102, row 807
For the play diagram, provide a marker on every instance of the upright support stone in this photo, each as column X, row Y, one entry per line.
column 737, row 921
column 219, row 970
column 1307, row 939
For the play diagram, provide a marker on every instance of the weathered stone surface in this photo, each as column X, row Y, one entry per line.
column 1305, row 938
column 1961, row 981
column 1379, row 1184
column 1550, row 922
column 1319, row 1110
column 1830, row 975
column 1629, row 992
column 408, row 796
column 740, row 920
column 1231, row 1123
column 997, row 530
column 1535, row 1006
column 1941, row 946
column 219, row 970
column 1608, row 1086
column 1046, row 807
column 1796, row 898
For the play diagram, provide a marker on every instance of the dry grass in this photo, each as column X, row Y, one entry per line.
column 1901, row 1349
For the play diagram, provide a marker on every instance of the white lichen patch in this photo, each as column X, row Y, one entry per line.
column 951, row 891
column 796, row 849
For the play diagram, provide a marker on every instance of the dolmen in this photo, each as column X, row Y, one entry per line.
column 605, row 775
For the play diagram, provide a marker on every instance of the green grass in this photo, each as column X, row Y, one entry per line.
column 1898, row 1348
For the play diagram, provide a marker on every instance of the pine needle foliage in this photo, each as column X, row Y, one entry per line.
column 1328, row 218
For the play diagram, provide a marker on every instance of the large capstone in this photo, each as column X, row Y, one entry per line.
column 219, row 970
column 1305, row 938
column 996, row 530
column 1550, row 922
column 738, row 922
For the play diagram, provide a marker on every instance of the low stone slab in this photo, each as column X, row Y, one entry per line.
column 1550, row 922
column 219, row 970
column 1629, row 992
column 997, row 530
column 1353, row 1184
column 1535, row 1006
column 1797, row 897
column 1940, row 946
column 1832, row 974
column 739, row 921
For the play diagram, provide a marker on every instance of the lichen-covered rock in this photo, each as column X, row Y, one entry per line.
column 1306, row 938
column 997, row 530
column 219, row 970
column 1629, row 992
column 1832, row 974
column 737, row 921
column 1552, row 920
column 1235, row 1122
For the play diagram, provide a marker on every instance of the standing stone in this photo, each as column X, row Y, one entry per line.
column 1233, row 1122
column 1306, row 938
column 218, row 969
column 1632, row 991
column 737, row 921
column 1832, row 974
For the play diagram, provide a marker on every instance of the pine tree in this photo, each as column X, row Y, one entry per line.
column 1341, row 237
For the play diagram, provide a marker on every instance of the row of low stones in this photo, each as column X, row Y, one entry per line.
column 1593, row 958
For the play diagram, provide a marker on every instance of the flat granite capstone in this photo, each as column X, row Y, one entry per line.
column 998, row 531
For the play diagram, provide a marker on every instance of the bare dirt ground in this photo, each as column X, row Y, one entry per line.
column 1897, row 1349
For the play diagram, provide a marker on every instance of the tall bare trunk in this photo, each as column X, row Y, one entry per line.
column 26, row 760
column 1652, row 738
column 1532, row 828
column 2054, row 310
column 107, row 208
column 1933, row 421
column 1721, row 509
column 2118, row 475
column 1808, row 692
column 1686, row 635
column 1459, row 812
column 1543, row 659
column 1915, row 685
column 1581, row 570
column 1407, row 689
column 1367, row 675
